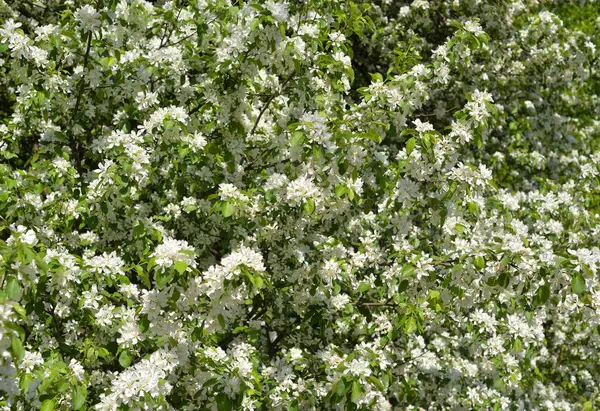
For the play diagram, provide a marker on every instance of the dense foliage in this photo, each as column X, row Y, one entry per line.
column 310, row 204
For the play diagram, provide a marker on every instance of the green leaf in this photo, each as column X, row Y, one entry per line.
column 227, row 209
column 180, row 266
column 163, row 278
column 16, row 347
column 364, row 287
column 63, row 385
column 20, row 310
column 410, row 145
column 143, row 276
column 297, row 139
column 144, row 323
column 103, row 352
column 223, row 403
column 451, row 191
column 504, row 279
column 125, row 358
column 351, row 194
column 138, row 230
column 47, row 405
column 222, row 322
column 309, row 206
column 270, row 196
column 479, row 140
column 518, row 345
column 16, row 328
column 79, row 396
column 372, row 135
column 376, row 76
column 13, row 289
column 25, row 254
column 357, row 391
column 479, row 262
column 340, row 190
column 578, row 283
column 340, row 387
column 410, row 326
column 542, row 294
column 25, row 382
column 375, row 382
column 407, row 271
column 473, row 207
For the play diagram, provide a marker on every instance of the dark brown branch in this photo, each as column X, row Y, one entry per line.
column 81, row 87
column 262, row 111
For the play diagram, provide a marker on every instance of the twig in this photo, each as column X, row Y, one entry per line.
column 262, row 111
column 81, row 86
column 380, row 304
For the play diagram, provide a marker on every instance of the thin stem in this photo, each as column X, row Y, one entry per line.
column 262, row 111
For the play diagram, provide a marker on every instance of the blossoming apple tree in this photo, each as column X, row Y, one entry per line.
column 308, row 204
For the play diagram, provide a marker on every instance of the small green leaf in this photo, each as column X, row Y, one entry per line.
column 363, row 287
column 504, row 279
column 79, row 396
column 518, row 345
column 451, row 191
column 20, row 310
column 222, row 322
column 227, row 209
column 224, row 403
column 297, row 139
column 180, row 266
column 357, row 391
column 410, row 145
column 16, row 347
column 270, row 196
column 410, row 326
column 25, row 382
column 578, row 283
column 376, row 76
column 309, row 206
column 103, row 352
column 144, row 323
column 258, row 281
column 351, row 194
column 25, row 254
column 13, row 289
column 473, row 207
column 340, row 190
column 125, row 358
column 47, row 405
column 375, row 382
column 407, row 271
column 138, row 230
column 143, row 276
column 372, row 135
column 479, row 262
column 163, row 278
column 542, row 294
column 340, row 387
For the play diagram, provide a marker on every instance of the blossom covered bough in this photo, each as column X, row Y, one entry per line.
column 311, row 204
